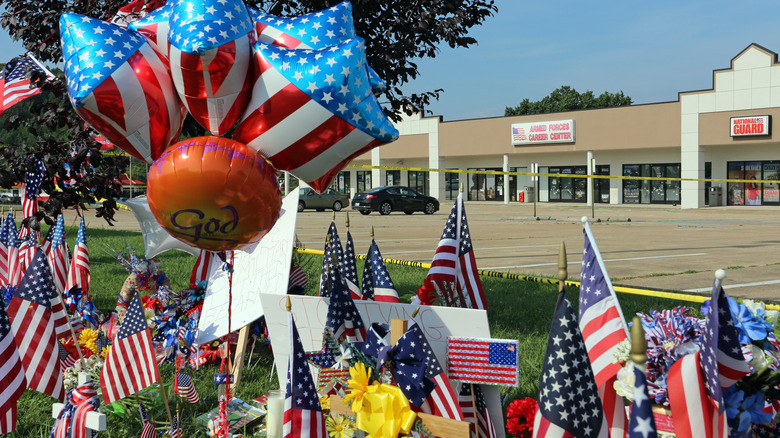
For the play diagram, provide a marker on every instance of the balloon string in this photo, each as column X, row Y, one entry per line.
column 225, row 398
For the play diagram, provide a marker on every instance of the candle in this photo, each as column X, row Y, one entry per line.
column 274, row 419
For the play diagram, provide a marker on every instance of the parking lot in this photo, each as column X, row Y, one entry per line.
column 660, row 247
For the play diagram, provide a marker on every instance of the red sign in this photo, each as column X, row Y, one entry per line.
column 750, row 126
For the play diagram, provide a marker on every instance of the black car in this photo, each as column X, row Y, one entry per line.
column 390, row 198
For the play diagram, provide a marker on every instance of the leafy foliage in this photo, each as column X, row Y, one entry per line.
column 567, row 98
column 396, row 32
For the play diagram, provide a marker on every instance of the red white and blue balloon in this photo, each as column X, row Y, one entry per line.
column 120, row 85
column 312, row 31
column 154, row 27
column 312, row 111
column 209, row 52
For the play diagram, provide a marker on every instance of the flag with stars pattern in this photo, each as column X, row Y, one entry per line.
column 486, row 361
column 33, row 324
column 154, row 26
column 377, row 284
column 185, row 388
column 205, row 37
column 28, row 247
column 10, row 270
column 32, row 187
column 16, row 83
column 12, row 379
column 59, row 259
column 343, row 317
column 721, row 355
column 328, row 90
column 453, row 270
column 569, row 402
column 694, row 413
column 478, row 412
column 601, row 319
column 176, row 431
column 332, row 250
column 303, row 417
column 79, row 272
column 312, row 31
column 148, row 430
column 131, row 365
column 442, row 401
column 349, row 269
column 120, row 86
column 642, row 424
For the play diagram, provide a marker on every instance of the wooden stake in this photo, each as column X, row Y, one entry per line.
column 165, row 400
column 563, row 265
column 238, row 363
column 397, row 329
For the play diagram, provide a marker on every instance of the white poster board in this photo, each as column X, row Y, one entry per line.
column 263, row 267
column 438, row 323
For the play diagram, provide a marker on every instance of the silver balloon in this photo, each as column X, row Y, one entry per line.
column 156, row 239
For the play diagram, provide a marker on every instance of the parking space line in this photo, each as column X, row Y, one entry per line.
column 605, row 260
column 734, row 286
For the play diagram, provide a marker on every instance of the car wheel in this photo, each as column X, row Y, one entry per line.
column 409, row 212
column 301, row 206
column 365, row 212
column 430, row 208
column 385, row 208
column 337, row 206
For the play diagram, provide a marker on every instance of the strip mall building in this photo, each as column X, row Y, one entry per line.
column 724, row 132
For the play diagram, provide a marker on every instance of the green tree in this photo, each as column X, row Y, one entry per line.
column 397, row 33
column 567, row 98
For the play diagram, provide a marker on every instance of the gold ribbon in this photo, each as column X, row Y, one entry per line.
column 385, row 412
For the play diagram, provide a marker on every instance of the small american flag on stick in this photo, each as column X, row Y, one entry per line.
column 488, row 361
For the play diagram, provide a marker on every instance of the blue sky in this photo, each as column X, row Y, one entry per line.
column 649, row 50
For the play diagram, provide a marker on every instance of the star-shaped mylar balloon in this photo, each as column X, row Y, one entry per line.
column 156, row 239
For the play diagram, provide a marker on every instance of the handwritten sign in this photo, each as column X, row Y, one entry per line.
column 263, row 267
column 438, row 324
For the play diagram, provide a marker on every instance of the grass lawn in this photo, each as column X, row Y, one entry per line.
column 517, row 310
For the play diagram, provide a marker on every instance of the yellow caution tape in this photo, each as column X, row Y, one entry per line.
column 520, row 277
column 561, row 175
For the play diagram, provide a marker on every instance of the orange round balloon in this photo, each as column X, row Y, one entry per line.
column 213, row 193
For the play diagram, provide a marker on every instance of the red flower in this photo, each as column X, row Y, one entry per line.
column 152, row 303
column 427, row 294
column 520, row 417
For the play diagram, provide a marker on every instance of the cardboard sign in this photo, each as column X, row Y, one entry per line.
column 263, row 267
column 438, row 324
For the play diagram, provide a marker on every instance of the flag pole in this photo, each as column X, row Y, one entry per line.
column 165, row 400
column 72, row 332
column 720, row 275
column 562, row 267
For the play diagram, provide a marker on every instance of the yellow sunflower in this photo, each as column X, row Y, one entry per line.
column 358, row 385
column 104, row 353
column 88, row 338
column 325, row 402
column 339, row 427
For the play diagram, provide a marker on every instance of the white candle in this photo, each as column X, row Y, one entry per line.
column 274, row 419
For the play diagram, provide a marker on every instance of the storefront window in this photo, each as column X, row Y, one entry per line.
column 770, row 190
column 363, row 180
column 418, row 180
column 651, row 191
column 341, row 184
column 601, row 186
column 752, row 193
column 631, row 186
column 452, row 185
column 393, row 177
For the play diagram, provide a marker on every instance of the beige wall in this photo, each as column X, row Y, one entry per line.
column 714, row 128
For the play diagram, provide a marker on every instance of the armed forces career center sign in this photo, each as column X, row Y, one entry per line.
column 561, row 131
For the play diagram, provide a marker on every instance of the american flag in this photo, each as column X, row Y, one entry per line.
column 454, row 267
column 148, row 430
column 343, row 317
column 297, row 278
column 59, row 260
column 176, row 431
column 10, row 270
column 518, row 134
column 205, row 265
column 66, row 359
column 695, row 413
column 46, row 242
column 33, row 323
column 12, row 379
column 130, row 366
column 316, row 30
column 349, row 269
column 32, row 187
column 332, row 250
column 154, row 26
column 721, row 354
column 476, row 404
column 303, row 416
column 642, row 424
column 28, row 247
column 442, row 401
column 343, row 118
column 72, row 420
column 569, row 403
column 79, row 273
column 490, row 361
column 143, row 115
column 377, row 284
column 185, row 388
column 133, row 11
column 601, row 319
column 16, row 84
column 408, row 362
column 204, row 37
